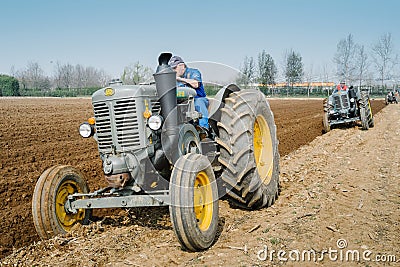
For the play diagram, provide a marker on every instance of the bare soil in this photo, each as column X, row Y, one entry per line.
column 343, row 184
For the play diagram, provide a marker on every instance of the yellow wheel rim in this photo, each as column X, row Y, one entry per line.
column 370, row 109
column 263, row 150
column 203, row 201
column 67, row 220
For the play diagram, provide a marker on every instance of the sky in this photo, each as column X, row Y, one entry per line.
column 112, row 34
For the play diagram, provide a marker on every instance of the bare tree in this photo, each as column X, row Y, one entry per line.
column 325, row 75
column 32, row 77
column 67, row 76
column 58, row 74
column 13, row 72
column 95, row 78
column 137, row 73
column 309, row 78
column 35, row 75
column 79, row 78
column 344, row 59
column 22, row 78
column 361, row 63
column 104, row 78
column 384, row 57
column 64, row 75
column 91, row 77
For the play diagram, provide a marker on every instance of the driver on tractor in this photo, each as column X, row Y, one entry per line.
column 192, row 78
column 341, row 87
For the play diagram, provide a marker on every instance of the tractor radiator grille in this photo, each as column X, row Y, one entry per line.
column 155, row 107
column 127, row 125
column 345, row 101
column 125, row 135
column 103, row 126
column 341, row 101
column 336, row 102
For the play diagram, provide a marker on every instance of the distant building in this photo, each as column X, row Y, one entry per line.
column 305, row 84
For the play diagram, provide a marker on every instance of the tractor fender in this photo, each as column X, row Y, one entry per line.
column 218, row 102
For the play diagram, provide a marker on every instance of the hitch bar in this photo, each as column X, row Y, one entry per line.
column 138, row 200
column 335, row 122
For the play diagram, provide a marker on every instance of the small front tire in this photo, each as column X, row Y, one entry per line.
column 194, row 202
column 51, row 192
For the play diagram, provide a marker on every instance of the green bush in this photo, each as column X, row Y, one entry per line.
column 9, row 86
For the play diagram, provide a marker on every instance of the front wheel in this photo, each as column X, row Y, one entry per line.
column 194, row 202
column 325, row 118
column 50, row 216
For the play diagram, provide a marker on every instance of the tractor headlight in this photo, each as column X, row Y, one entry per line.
column 86, row 130
column 155, row 122
column 107, row 167
column 351, row 100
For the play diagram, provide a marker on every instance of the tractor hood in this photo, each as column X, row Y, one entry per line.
column 123, row 91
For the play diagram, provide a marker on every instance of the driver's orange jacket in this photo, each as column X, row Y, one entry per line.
column 343, row 88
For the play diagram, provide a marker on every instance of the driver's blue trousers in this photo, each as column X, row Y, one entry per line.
column 201, row 105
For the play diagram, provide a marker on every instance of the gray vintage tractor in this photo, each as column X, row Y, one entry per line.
column 347, row 107
column 154, row 154
column 391, row 97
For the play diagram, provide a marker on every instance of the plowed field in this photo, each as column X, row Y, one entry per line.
column 37, row 133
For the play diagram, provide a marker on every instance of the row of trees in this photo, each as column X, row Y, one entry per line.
column 67, row 80
column 265, row 71
column 66, row 77
column 354, row 63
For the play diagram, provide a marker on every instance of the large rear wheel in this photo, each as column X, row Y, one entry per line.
column 194, row 202
column 364, row 119
column 367, row 118
column 249, row 150
column 51, row 192
column 371, row 122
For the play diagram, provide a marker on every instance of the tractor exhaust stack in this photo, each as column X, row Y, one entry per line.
column 165, row 78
